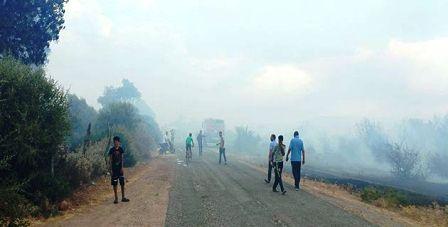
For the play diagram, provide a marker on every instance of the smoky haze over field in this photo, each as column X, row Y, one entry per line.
column 320, row 66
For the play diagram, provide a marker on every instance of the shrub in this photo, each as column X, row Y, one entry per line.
column 370, row 194
column 82, row 168
column 33, row 125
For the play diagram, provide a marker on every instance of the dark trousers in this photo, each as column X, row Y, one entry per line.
column 269, row 171
column 278, row 168
column 222, row 152
column 200, row 148
column 296, row 168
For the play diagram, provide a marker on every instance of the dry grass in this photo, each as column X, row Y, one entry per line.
column 434, row 216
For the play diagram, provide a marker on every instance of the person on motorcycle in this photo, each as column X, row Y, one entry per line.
column 188, row 144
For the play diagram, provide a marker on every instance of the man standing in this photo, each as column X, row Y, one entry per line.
column 200, row 140
column 297, row 158
column 116, row 166
column 222, row 149
column 272, row 145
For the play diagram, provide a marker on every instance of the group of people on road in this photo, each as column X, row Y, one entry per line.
column 189, row 143
column 277, row 150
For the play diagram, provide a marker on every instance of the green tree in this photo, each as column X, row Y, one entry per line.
column 33, row 125
column 116, row 115
column 127, row 92
column 81, row 116
column 28, row 26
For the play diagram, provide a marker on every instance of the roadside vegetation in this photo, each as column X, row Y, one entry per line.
column 53, row 142
column 421, row 209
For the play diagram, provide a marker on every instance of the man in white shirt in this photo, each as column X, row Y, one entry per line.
column 271, row 148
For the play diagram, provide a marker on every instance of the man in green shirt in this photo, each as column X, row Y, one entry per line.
column 188, row 144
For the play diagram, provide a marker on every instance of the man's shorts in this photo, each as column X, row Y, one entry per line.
column 188, row 147
column 116, row 176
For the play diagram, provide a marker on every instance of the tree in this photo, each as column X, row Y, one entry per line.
column 403, row 160
column 28, row 26
column 81, row 116
column 33, row 124
column 246, row 140
column 127, row 92
column 116, row 115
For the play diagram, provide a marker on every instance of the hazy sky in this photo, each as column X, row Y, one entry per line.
column 261, row 62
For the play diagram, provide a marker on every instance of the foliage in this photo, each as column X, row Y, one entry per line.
column 403, row 160
column 81, row 115
column 82, row 168
column 385, row 197
column 370, row 194
column 13, row 207
column 115, row 115
column 127, row 92
column 28, row 27
column 33, row 125
column 246, row 139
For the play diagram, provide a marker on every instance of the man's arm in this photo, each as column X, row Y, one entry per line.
column 122, row 163
column 110, row 163
column 287, row 155
column 303, row 154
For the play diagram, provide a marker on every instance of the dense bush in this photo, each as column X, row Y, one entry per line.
column 385, row 197
column 81, row 168
column 33, row 125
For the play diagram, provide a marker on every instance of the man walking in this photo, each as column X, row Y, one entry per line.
column 116, row 166
column 272, row 145
column 297, row 158
column 277, row 158
column 222, row 149
column 200, row 138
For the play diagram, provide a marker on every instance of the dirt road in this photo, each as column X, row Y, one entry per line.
column 207, row 194
column 148, row 191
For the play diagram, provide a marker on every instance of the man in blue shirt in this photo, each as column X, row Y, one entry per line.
column 297, row 158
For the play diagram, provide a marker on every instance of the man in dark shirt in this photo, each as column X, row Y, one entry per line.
column 116, row 167
column 200, row 139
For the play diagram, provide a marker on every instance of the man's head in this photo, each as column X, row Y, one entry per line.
column 189, row 134
column 220, row 133
column 272, row 137
column 296, row 134
column 116, row 141
column 280, row 138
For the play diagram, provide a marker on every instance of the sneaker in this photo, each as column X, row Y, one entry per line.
column 297, row 188
column 283, row 192
column 274, row 190
column 267, row 181
column 124, row 200
column 116, row 201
